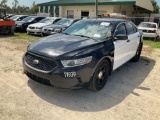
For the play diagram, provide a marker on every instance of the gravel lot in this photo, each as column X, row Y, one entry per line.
column 132, row 92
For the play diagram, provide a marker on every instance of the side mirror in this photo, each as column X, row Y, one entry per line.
column 121, row 37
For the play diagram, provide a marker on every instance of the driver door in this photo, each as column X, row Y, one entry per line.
column 121, row 47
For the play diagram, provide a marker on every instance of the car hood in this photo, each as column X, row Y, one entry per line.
column 39, row 24
column 55, row 26
column 59, row 44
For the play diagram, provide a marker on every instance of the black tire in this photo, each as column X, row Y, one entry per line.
column 100, row 76
column 138, row 53
column 11, row 31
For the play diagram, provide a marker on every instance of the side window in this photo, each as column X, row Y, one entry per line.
column 121, row 29
column 56, row 20
column 38, row 19
column 74, row 21
column 21, row 18
column 131, row 29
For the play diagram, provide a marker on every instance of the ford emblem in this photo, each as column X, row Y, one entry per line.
column 36, row 62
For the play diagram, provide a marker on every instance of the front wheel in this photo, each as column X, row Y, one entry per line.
column 138, row 53
column 100, row 76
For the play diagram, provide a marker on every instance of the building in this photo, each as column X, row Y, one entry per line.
column 86, row 8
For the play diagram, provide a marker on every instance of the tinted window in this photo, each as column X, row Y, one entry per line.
column 66, row 22
column 148, row 25
column 130, row 28
column 29, row 19
column 47, row 20
column 56, row 20
column 39, row 19
column 121, row 29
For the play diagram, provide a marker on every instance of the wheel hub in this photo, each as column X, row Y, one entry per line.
column 100, row 75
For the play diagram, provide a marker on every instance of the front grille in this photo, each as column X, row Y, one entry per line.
column 39, row 62
column 38, row 79
column 32, row 27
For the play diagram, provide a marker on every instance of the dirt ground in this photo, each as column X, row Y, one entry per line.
column 131, row 93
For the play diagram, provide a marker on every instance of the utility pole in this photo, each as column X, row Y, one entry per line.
column 96, row 8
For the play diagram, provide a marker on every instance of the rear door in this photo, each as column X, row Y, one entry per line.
column 121, row 52
column 134, row 37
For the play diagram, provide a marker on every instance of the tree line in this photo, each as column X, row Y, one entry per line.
column 19, row 9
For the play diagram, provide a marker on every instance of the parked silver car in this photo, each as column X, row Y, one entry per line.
column 36, row 28
column 58, row 26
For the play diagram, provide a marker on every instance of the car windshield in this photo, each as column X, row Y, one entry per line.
column 29, row 19
column 47, row 20
column 14, row 17
column 148, row 25
column 96, row 29
column 66, row 22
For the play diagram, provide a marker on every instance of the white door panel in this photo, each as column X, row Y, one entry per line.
column 121, row 53
column 134, row 42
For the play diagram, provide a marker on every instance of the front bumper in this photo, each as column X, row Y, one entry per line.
column 46, row 33
column 57, row 77
column 34, row 31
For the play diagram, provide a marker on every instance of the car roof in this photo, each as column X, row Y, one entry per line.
column 149, row 22
column 53, row 17
column 70, row 18
column 108, row 19
column 21, row 15
column 116, row 21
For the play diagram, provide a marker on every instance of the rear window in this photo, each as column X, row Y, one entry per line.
column 148, row 25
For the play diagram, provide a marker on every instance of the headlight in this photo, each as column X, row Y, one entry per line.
column 76, row 62
column 57, row 30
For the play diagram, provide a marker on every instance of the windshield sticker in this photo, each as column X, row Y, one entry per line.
column 97, row 35
column 105, row 23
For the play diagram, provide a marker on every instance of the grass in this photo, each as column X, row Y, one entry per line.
column 151, row 43
column 24, row 38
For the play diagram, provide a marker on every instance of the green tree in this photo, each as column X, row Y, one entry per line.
column 156, row 7
column 15, row 3
column 3, row 3
column 34, row 8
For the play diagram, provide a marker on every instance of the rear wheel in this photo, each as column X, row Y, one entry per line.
column 138, row 54
column 11, row 31
column 100, row 76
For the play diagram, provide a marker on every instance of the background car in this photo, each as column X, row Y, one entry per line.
column 83, row 55
column 18, row 17
column 36, row 28
column 58, row 26
column 10, row 15
column 149, row 29
column 22, row 25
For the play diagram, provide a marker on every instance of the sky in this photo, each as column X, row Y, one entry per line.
column 29, row 2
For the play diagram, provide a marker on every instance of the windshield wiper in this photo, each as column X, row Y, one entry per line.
column 82, row 36
column 66, row 33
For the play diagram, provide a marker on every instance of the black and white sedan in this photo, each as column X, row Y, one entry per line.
column 83, row 55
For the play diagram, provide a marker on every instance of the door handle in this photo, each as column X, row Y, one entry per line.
column 128, row 40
